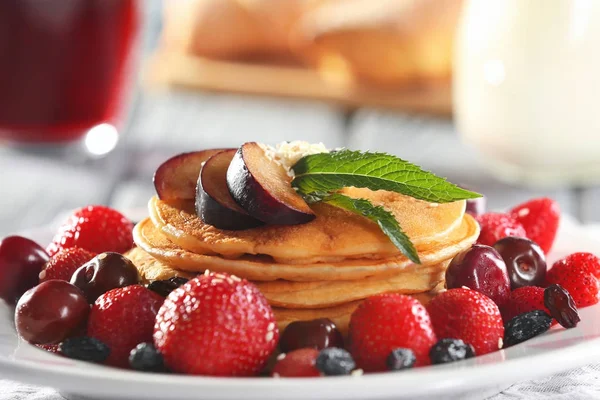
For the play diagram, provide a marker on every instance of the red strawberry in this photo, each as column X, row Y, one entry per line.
column 495, row 226
column 584, row 260
column 64, row 263
column 216, row 324
column 385, row 322
column 468, row 315
column 522, row 300
column 540, row 219
column 51, row 348
column 94, row 228
column 123, row 318
column 298, row 363
column 576, row 277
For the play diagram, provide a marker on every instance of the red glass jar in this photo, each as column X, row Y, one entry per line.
column 64, row 66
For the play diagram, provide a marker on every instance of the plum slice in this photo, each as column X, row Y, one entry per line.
column 214, row 204
column 262, row 187
column 176, row 178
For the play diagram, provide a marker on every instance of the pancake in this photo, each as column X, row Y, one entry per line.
column 321, row 294
column 150, row 269
column 324, row 294
column 264, row 268
column 334, row 235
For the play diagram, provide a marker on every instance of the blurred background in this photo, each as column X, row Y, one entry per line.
column 95, row 94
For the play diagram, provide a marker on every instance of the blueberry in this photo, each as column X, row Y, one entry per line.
column 335, row 361
column 400, row 359
column 146, row 358
column 84, row 349
column 526, row 326
column 164, row 288
column 449, row 350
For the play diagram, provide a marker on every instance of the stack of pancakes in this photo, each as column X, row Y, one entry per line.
column 321, row 269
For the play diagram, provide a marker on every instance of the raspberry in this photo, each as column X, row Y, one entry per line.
column 576, row 278
column 64, row 263
column 522, row 300
column 585, row 260
column 540, row 218
column 94, row 228
column 496, row 226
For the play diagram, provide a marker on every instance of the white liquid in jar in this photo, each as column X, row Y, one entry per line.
column 527, row 88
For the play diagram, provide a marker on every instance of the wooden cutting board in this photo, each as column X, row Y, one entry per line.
column 191, row 72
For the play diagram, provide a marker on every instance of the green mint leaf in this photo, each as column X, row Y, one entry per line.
column 327, row 172
column 385, row 219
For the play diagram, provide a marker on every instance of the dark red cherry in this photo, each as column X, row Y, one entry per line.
column 318, row 334
column 525, row 261
column 51, row 312
column 104, row 272
column 480, row 268
column 21, row 261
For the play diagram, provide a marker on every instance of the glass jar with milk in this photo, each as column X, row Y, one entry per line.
column 527, row 88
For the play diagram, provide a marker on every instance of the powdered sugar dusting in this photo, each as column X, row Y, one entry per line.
column 288, row 153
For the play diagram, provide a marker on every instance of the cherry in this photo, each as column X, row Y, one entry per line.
column 476, row 206
column 21, row 261
column 525, row 261
column 104, row 272
column 51, row 312
column 299, row 363
column 318, row 334
column 480, row 268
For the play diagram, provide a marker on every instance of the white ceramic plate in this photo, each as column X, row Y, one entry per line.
column 556, row 350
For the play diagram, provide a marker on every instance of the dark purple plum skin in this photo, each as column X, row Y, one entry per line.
column 247, row 191
column 175, row 179
column 210, row 211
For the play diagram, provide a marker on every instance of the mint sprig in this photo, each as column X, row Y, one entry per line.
column 385, row 219
column 327, row 172
column 319, row 176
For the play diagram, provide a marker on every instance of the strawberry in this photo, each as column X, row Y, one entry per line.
column 123, row 318
column 584, row 260
column 386, row 322
column 216, row 324
column 467, row 315
column 51, row 348
column 495, row 226
column 298, row 363
column 576, row 278
column 522, row 300
column 64, row 263
column 94, row 228
column 540, row 218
